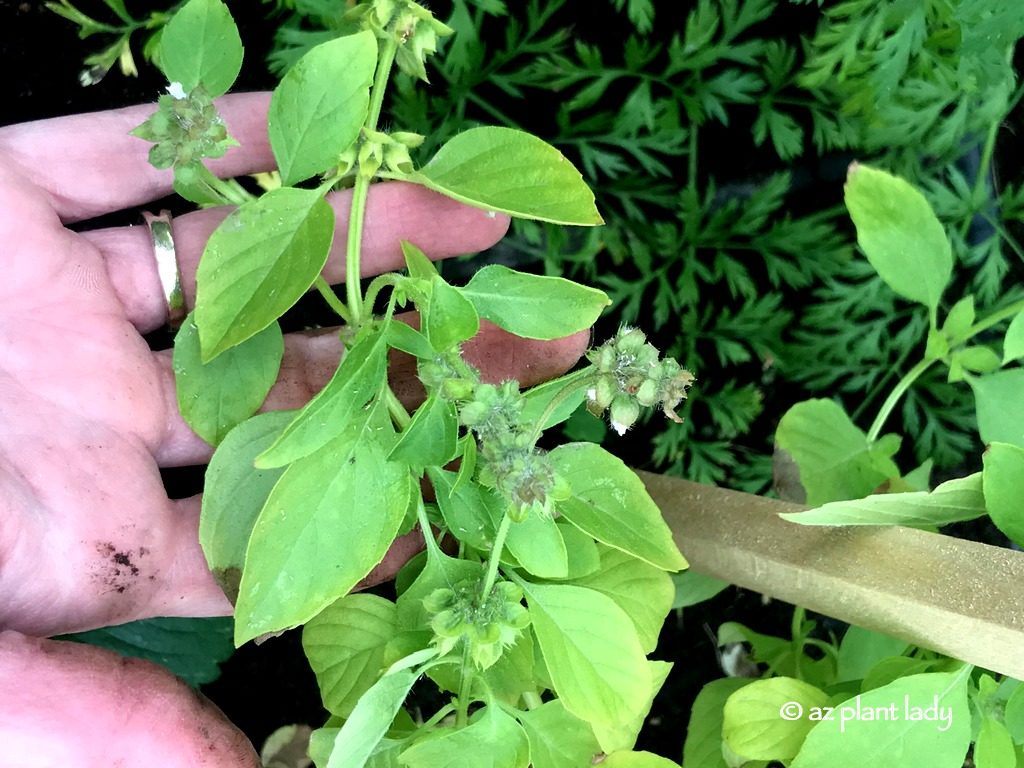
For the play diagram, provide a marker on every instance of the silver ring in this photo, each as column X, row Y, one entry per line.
column 167, row 264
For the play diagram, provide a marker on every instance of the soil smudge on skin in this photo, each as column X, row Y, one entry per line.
column 116, row 570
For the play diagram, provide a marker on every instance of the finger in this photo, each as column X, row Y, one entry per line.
column 89, row 164
column 73, row 704
column 440, row 226
column 310, row 360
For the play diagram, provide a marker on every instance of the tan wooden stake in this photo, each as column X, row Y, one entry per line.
column 954, row 596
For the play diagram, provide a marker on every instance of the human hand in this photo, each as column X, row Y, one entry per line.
column 88, row 414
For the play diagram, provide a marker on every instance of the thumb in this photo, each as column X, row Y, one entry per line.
column 67, row 704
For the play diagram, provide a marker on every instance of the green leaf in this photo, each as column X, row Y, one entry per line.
column 370, row 720
column 582, row 554
column 345, row 647
column 977, row 359
column 502, row 169
column 533, row 306
column 893, row 668
column 191, row 648
column 951, row 502
column 512, row 674
column 492, row 740
column 537, row 544
column 361, row 375
column 234, row 495
column 703, row 745
column 835, row 459
column 610, row 503
column 432, row 437
column 318, row 108
column 692, row 588
column 401, row 336
column 466, row 510
column 261, row 259
column 994, row 747
column 329, row 520
column 637, row 760
column 417, row 263
column 1013, row 343
column 641, row 590
column 757, row 719
column 624, row 735
column 900, row 234
column 592, row 652
column 1003, row 480
column 558, row 739
column 1013, row 715
column 999, row 400
column 959, row 320
column 537, row 399
column 861, row 649
column 215, row 397
column 200, row 45
column 450, row 318
column 851, row 740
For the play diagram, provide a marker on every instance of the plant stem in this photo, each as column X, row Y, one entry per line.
column 361, row 190
column 982, row 177
column 465, row 686
column 424, row 522
column 398, row 413
column 332, row 298
column 890, row 402
column 531, row 699
column 495, row 558
column 1011, row 310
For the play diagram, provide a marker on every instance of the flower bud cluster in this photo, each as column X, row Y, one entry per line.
column 185, row 128
column 414, row 27
column 631, row 375
column 488, row 626
column 375, row 149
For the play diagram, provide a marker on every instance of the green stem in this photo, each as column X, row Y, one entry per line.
column 890, row 402
column 428, row 536
column 437, row 717
column 495, row 558
column 531, row 699
column 332, row 298
column 361, row 190
column 1000, row 315
column 465, row 685
column 398, row 413
column 377, row 284
column 982, row 177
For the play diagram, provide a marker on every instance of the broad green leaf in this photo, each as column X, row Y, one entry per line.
column 512, row 674
column 467, row 461
column 533, row 306
column 582, row 554
column 370, row 720
column 643, row 591
column 319, row 106
column 977, row 359
column 861, row 649
column 200, row 45
column 417, row 263
column 345, row 647
column 261, row 259
column 610, row 503
column 893, row 668
column 450, row 317
column 994, row 747
column 1003, row 478
column 768, row 719
column 558, row 739
column 234, row 495
column 951, row 502
column 329, row 520
column 592, row 652
column 1013, row 715
column 999, row 400
column 537, row 544
column 852, row 740
column 431, row 439
column 537, row 399
column 1013, row 343
column 191, row 648
column 900, row 234
column 466, row 510
column 959, row 320
column 624, row 735
column 215, row 397
column 637, row 760
column 502, row 169
column 703, row 745
column 835, row 459
column 321, row 742
column 692, row 588
column 439, row 572
column 408, row 340
column 361, row 375
column 492, row 740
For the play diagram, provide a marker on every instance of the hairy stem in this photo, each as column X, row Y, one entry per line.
column 495, row 558
column 332, row 299
column 890, row 402
column 465, row 686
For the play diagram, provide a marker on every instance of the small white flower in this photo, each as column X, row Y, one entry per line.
column 491, row 214
column 592, row 394
column 620, row 428
column 176, row 90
